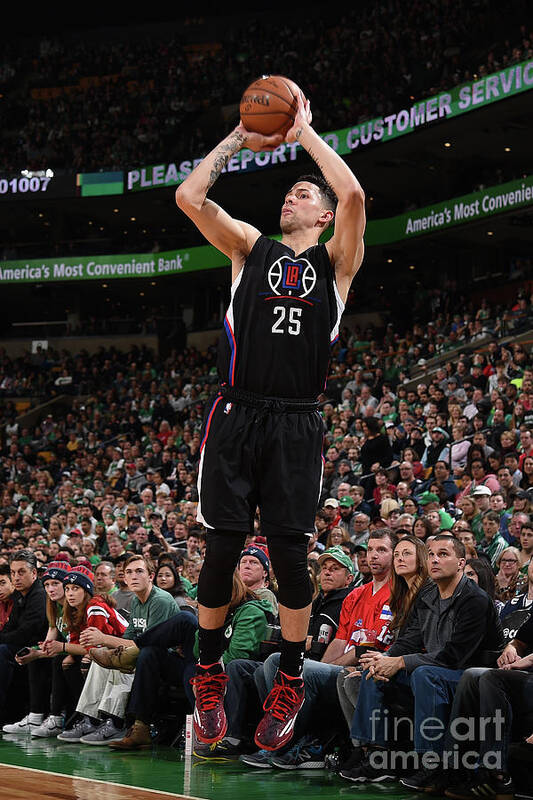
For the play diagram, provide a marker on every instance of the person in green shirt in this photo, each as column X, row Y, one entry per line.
column 493, row 544
column 472, row 515
column 244, row 630
column 88, row 548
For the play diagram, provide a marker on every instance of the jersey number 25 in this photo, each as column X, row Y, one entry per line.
column 287, row 322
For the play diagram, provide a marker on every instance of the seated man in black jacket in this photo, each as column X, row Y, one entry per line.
column 26, row 626
column 488, row 702
column 453, row 625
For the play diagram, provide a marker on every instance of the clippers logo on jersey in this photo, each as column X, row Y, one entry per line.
column 288, row 277
column 291, row 276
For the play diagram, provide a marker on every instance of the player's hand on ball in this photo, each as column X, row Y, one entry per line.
column 303, row 117
column 257, row 141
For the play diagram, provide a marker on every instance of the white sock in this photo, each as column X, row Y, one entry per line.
column 35, row 719
column 56, row 720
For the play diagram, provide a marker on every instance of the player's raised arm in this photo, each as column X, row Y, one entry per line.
column 232, row 237
column 346, row 246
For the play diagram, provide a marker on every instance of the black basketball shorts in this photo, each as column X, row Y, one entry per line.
column 264, row 456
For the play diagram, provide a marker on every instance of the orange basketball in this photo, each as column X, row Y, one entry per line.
column 269, row 105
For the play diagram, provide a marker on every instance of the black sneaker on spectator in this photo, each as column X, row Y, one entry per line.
column 221, row 751
column 484, row 783
column 366, row 772
column 308, row 753
column 353, row 760
column 429, row 781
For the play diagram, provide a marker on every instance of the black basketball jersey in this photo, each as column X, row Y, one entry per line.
column 282, row 320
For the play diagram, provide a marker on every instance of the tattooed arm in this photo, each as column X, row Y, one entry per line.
column 346, row 247
column 232, row 237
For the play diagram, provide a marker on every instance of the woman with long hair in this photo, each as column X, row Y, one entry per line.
column 422, row 528
column 517, row 417
column 480, row 571
column 527, row 473
column 313, row 568
column 409, row 575
column 455, row 412
column 168, row 578
column 410, row 454
column 82, row 609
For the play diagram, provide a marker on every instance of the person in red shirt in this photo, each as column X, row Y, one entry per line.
column 332, row 511
column 365, row 615
column 382, row 482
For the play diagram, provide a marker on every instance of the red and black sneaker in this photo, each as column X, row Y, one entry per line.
column 209, row 717
column 281, row 706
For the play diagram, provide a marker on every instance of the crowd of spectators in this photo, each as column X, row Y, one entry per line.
column 98, row 505
column 91, row 103
column 391, row 355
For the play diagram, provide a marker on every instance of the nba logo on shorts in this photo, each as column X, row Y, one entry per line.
column 291, row 277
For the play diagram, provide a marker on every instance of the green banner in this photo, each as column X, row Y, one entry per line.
column 139, row 265
column 446, row 105
column 438, row 217
column 457, row 211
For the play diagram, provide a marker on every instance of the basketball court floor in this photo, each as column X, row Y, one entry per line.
column 51, row 770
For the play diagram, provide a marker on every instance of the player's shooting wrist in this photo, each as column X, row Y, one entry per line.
column 238, row 138
column 304, row 134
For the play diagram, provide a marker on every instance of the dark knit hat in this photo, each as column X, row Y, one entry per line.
column 56, row 571
column 81, row 576
column 256, row 552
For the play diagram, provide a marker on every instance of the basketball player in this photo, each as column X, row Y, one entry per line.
column 263, row 435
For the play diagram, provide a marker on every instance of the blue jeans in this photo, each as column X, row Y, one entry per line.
column 320, row 682
column 433, row 689
column 241, row 694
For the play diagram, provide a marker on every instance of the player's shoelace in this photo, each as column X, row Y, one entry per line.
column 281, row 701
column 209, row 689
